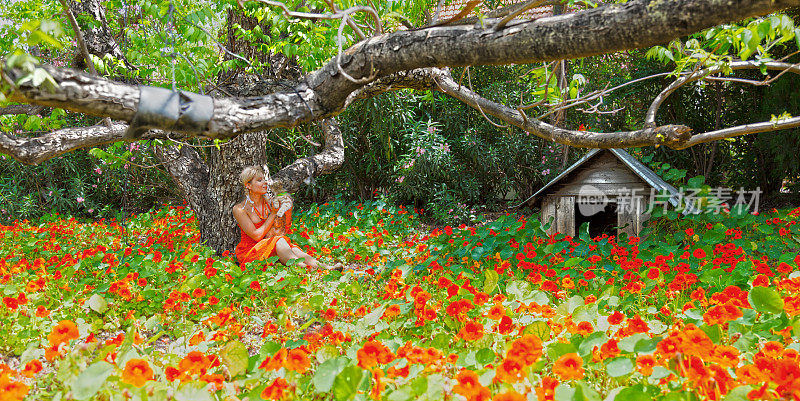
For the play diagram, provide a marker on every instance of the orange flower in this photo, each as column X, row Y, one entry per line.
column 510, row 371
column 64, row 331
column 41, row 311
column 469, row 386
column 276, row 362
column 216, row 379
column 275, row 390
column 373, row 353
column 12, row 391
column 585, row 328
column 195, row 362
column 496, row 312
column 297, row 360
column 511, row 395
column 569, row 367
column 391, row 311
column 547, row 390
column 137, row 372
column 527, row 349
column 31, row 368
column 472, row 331
column 645, row 364
column 173, row 373
column 772, row 349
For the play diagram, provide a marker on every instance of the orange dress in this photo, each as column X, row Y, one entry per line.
column 249, row 250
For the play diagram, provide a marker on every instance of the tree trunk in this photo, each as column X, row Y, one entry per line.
column 209, row 177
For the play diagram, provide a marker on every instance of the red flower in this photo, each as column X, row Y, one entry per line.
column 472, row 331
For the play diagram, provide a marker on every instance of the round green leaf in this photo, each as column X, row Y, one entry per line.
column 235, row 356
column 346, row 383
column 90, row 380
column 765, row 299
column 619, row 367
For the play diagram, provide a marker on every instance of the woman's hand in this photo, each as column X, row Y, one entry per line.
column 257, row 234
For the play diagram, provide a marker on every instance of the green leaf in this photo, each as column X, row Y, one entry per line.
column 632, row 394
column 98, row 304
column 619, row 367
column 235, row 356
column 327, row 372
column 346, row 383
column 539, row 329
column 765, row 299
column 738, row 394
column 90, row 380
column 491, row 278
column 595, row 339
column 485, row 356
column 193, row 391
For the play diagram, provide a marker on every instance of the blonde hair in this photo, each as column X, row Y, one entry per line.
column 248, row 174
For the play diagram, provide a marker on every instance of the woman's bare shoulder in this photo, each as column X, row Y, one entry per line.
column 238, row 208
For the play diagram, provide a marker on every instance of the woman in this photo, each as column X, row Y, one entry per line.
column 263, row 232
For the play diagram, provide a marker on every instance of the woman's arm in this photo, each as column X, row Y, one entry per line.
column 248, row 227
column 288, row 220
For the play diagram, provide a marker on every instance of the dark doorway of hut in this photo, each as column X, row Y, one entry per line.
column 601, row 217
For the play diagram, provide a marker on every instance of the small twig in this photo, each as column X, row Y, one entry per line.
column 196, row 146
column 508, row 18
column 79, row 35
column 469, row 80
column 438, row 11
column 548, row 78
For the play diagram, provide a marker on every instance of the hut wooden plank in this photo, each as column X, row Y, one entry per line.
column 565, row 215
column 549, row 211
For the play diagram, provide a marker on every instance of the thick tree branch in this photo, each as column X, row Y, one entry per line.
column 325, row 92
column 39, row 149
column 740, row 130
column 28, row 109
column 304, row 170
column 669, row 135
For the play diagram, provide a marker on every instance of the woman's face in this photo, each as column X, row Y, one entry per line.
column 257, row 185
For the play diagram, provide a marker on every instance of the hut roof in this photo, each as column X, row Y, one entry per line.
column 628, row 160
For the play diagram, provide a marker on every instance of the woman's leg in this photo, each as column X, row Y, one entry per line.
column 310, row 260
column 285, row 252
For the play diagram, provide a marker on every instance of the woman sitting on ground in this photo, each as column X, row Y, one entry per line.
column 263, row 231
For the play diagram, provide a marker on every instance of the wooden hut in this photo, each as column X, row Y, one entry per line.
column 607, row 188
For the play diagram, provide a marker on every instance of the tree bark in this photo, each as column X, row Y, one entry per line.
column 324, row 93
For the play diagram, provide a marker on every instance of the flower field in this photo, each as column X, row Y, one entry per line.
column 701, row 309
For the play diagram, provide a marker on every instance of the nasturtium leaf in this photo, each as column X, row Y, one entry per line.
column 628, row 344
column 484, row 356
column 632, row 394
column 193, row 391
column 564, row 393
column 327, row 372
column 619, row 367
column 347, row 382
column 595, row 339
column 555, row 350
column 646, row 345
column 765, row 299
column 539, row 329
column 98, row 304
column 235, row 357
column 585, row 392
column 738, row 394
column 491, row 278
column 90, row 380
